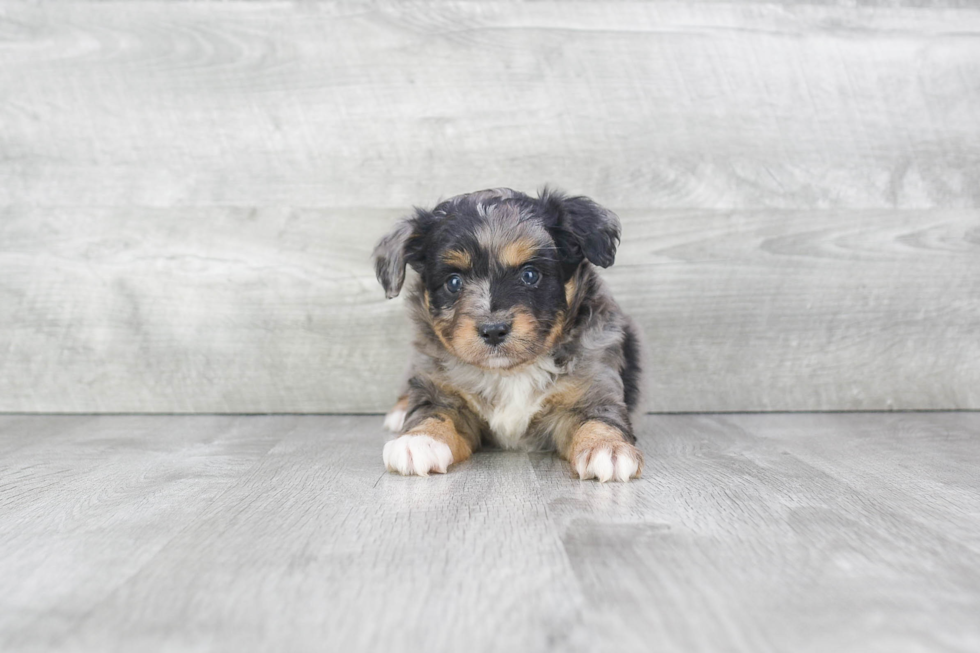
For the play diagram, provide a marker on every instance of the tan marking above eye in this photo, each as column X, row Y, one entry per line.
column 458, row 258
column 518, row 252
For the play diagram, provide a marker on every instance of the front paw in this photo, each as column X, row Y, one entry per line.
column 417, row 454
column 608, row 461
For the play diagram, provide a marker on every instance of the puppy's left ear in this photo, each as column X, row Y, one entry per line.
column 401, row 246
column 581, row 228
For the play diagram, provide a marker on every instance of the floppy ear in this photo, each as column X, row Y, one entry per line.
column 401, row 246
column 581, row 228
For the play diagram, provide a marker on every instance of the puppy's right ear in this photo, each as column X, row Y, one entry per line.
column 402, row 245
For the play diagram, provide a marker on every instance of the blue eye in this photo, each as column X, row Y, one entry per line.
column 530, row 276
column 454, row 283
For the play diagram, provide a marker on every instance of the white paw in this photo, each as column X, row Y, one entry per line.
column 609, row 462
column 395, row 420
column 417, row 454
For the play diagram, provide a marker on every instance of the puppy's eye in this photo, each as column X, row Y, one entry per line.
column 530, row 276
column 454, row 283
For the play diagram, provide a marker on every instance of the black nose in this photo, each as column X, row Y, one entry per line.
column 494, row 334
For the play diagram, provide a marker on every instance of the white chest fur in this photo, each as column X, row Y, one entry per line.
column 507, row 400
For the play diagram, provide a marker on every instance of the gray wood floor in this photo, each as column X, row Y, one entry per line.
column 776, row 532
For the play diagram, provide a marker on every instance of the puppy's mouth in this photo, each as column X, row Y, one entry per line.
column 497, row 359
column 506, row 355
column 494, row 357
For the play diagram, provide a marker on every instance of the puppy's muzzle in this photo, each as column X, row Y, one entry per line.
column 495, row 333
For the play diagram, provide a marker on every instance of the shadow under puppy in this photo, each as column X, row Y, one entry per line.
column 518, row 344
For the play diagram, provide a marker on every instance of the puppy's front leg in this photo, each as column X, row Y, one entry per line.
column 431, row 446
column 598, row 450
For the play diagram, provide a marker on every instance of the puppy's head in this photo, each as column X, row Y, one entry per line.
column 496, row 268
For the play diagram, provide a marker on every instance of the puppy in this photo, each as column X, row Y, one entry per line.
column 518, row 342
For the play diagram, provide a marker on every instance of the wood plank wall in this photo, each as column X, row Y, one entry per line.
column 189, row 191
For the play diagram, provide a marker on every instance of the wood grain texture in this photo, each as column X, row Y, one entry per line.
column 735, row 541
column 644, row 104
column 85, row 502
column 903, row 462
column 752, row 533
column 189, row 191
column 203, row 310
column 277, row 310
